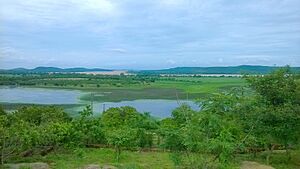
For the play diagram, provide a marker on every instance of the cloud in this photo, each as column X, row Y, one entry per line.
column 56, row 12
column 10, row 53
column 172, row 2
column 150, row 33
column 171, row 61
column 118, row 50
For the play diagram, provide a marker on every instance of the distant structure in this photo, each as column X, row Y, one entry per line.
column 115, row 72
column 201, row 75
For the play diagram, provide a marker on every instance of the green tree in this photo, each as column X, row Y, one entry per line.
column 39, row 115
column 2, row 111
column 120, row 137
column 125, row 127
column 86, row 129
column 278, row 116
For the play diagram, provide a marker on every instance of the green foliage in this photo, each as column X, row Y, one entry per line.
column 276, row 120
column 39, row 115
column 123, row 136
column 120, row 116
column 125, row 127
column 182, row 114
column 86, row 129
column 2, row 112
column 277, row 88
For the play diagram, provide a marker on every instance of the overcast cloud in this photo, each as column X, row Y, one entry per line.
column 142, row 34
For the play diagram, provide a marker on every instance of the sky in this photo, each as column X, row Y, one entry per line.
column 148, row 34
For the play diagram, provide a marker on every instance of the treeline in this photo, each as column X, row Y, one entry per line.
column 263, row 117
column 86, row 80
column 74, row 80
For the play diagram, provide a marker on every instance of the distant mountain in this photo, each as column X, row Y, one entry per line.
column 53, row 69
column 177, row 70
column 217, row 70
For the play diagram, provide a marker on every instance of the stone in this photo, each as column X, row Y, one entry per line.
column 109, row 167
column 92, row 166
column 37, row 165
column 254, row 165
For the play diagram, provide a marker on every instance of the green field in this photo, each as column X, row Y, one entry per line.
column 79, row 158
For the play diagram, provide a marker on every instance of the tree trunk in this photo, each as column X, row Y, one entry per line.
column 254, row 152
column 118, row 153
column 288, row 153
column 269, row 151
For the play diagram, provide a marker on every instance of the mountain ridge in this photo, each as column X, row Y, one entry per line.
column 251, row 69
column 42, row 69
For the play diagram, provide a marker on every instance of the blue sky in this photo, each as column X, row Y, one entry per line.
column 148, row 34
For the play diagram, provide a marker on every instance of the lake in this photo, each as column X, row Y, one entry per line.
column 156, row 107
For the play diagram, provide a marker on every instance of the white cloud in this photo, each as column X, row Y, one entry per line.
column 171, row 61
column 172, row 2
column 52, row 12
column 255, row 59
column 253, row 56
column 8, row 52
column 97, row 7
column 118, row 50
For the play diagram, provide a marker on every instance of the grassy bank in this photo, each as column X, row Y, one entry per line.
column 177, row 88
column 186, row 84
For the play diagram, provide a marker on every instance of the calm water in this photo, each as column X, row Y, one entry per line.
column 157, row 107
column 38, row 95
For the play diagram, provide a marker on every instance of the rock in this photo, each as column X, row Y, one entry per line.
column 109, row 167
column 92, row 166
column 27, row 153
column 254, row 165
column 38, row 165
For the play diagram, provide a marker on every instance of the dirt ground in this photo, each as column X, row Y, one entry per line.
column 254, row 165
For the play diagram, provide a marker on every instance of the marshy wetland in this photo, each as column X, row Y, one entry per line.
column 74, row 91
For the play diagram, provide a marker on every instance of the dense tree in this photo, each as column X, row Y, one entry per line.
column 86, row 129
column 124, row 127
column 277, row 88
column 39, row 115
column 278, row 113
column 2, row 112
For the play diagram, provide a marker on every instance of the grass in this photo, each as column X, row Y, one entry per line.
column 277, row 160
column 186, row 84
column 63, row 159
column 182, row 88
column 104, row 156
column 201, row 84
column 115, row 95
column 162, row 88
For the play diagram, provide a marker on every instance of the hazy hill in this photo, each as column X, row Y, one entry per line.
column 177, row 70
column 53, row 69
column 217, row 70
